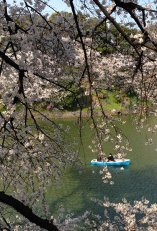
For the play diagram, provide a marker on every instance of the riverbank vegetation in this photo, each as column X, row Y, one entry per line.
column 98, row 58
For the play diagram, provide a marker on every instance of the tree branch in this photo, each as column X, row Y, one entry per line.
column 9, row 61
column 26, row 212
column 117, row 26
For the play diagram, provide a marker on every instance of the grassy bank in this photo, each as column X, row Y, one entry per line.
column 113, row 103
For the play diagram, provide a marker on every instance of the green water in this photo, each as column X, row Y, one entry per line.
column 78, row 185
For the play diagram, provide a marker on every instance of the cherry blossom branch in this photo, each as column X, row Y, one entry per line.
column 130, row 7
column 81, row 39
column 9, row 19
column 117, row 26
column 9, row 61
column 27, row 212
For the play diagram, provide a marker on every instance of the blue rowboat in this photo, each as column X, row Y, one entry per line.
column 117, row 162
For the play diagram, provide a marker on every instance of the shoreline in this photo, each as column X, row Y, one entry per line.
column 74, row 114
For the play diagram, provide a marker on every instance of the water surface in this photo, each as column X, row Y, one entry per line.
column 78, row 185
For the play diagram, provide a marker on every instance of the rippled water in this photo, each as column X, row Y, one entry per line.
column 78, row 186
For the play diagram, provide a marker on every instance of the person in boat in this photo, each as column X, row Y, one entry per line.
column 110, row 157
column 99, row 158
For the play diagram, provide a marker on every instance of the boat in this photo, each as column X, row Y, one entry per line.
column 117, row 162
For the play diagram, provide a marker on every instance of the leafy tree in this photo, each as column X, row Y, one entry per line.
column 75, row 98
